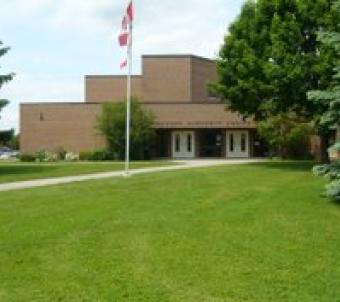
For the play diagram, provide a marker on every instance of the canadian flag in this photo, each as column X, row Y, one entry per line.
column 125, row 33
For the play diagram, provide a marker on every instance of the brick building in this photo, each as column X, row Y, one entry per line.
column 190, row 123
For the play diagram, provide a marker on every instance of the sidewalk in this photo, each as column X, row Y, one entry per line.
column 183, row 164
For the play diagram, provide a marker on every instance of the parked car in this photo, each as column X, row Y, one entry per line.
column 7, row 153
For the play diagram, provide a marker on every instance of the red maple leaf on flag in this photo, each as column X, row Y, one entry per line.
column 123, row 39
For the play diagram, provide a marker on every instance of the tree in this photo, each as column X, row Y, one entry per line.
column 288, row 136
column 10, row 139
column 271, row 57
column 6, row 137
column 4, row 78
column 112, row 122
column 3, row 103
column 14, row 143
column 330, row 97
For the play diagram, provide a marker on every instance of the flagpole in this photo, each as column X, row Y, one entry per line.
column 128, row 104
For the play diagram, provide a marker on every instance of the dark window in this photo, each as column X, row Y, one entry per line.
column 189, row 142
column 243, row 142
column 177, row 143
column 231, row 142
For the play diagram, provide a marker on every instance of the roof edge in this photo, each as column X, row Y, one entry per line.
column 110, row 76
column 180, row 56
column 100, row 103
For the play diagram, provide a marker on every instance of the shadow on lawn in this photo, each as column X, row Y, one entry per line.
column 299, row 166
column 15, row 170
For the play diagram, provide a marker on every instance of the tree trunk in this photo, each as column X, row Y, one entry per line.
column 338, row 134
column 323, row 152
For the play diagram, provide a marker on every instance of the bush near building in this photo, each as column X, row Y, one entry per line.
column 47, row 156
column 287, row 135
column 112, row 124
column 26, row 157
column 97, row 155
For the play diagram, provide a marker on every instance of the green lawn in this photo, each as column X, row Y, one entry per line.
column 16, row 171
column 258, row 232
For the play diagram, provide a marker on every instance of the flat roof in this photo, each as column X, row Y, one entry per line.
column 100, row 103
column 119, row 76
column 54, row 103
column 180, row 56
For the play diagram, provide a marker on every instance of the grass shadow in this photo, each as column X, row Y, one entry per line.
column 20, row 170
column 287, row 165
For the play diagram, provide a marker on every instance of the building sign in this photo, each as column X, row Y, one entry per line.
column 205, row 124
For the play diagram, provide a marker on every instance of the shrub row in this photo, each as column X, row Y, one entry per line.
column 98, row 155
column 47, row 156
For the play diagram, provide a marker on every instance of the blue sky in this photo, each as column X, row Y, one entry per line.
column 56, row 42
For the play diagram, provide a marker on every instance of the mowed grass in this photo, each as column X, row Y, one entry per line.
column 17, row 171
column 258, row 232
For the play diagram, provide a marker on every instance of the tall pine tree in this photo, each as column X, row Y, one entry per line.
column 4, row 78
column 330, row 97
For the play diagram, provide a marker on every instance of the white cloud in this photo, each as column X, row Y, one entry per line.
column 17, row 9
column 167, row 26
column 186, row 30
column 32, row 88
column 85, row 16
column 161, row 27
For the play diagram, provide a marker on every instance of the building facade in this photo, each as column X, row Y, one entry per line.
column 189, row 123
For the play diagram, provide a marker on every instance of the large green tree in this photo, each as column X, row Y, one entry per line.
column 271, row 57
column 330, row 97
column 112, row 122
column 4, row 78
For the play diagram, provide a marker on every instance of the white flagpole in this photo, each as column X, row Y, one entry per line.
column 128, row 103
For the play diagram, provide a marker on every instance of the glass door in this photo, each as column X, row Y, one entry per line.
column 238, row 144
column 183, row 144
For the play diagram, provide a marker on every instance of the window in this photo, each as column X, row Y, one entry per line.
column 243, row 142
column 231, row 142
column 189, row 142
column 177, row 142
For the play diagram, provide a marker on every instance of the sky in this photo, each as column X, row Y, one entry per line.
column 54, row 43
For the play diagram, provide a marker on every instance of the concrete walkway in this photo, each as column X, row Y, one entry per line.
column 183, row 164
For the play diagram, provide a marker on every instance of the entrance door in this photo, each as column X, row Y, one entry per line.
column 183, row 144
column 210, row 143
column 237, row 144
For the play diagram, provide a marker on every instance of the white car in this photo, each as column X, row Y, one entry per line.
column 7, row 153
